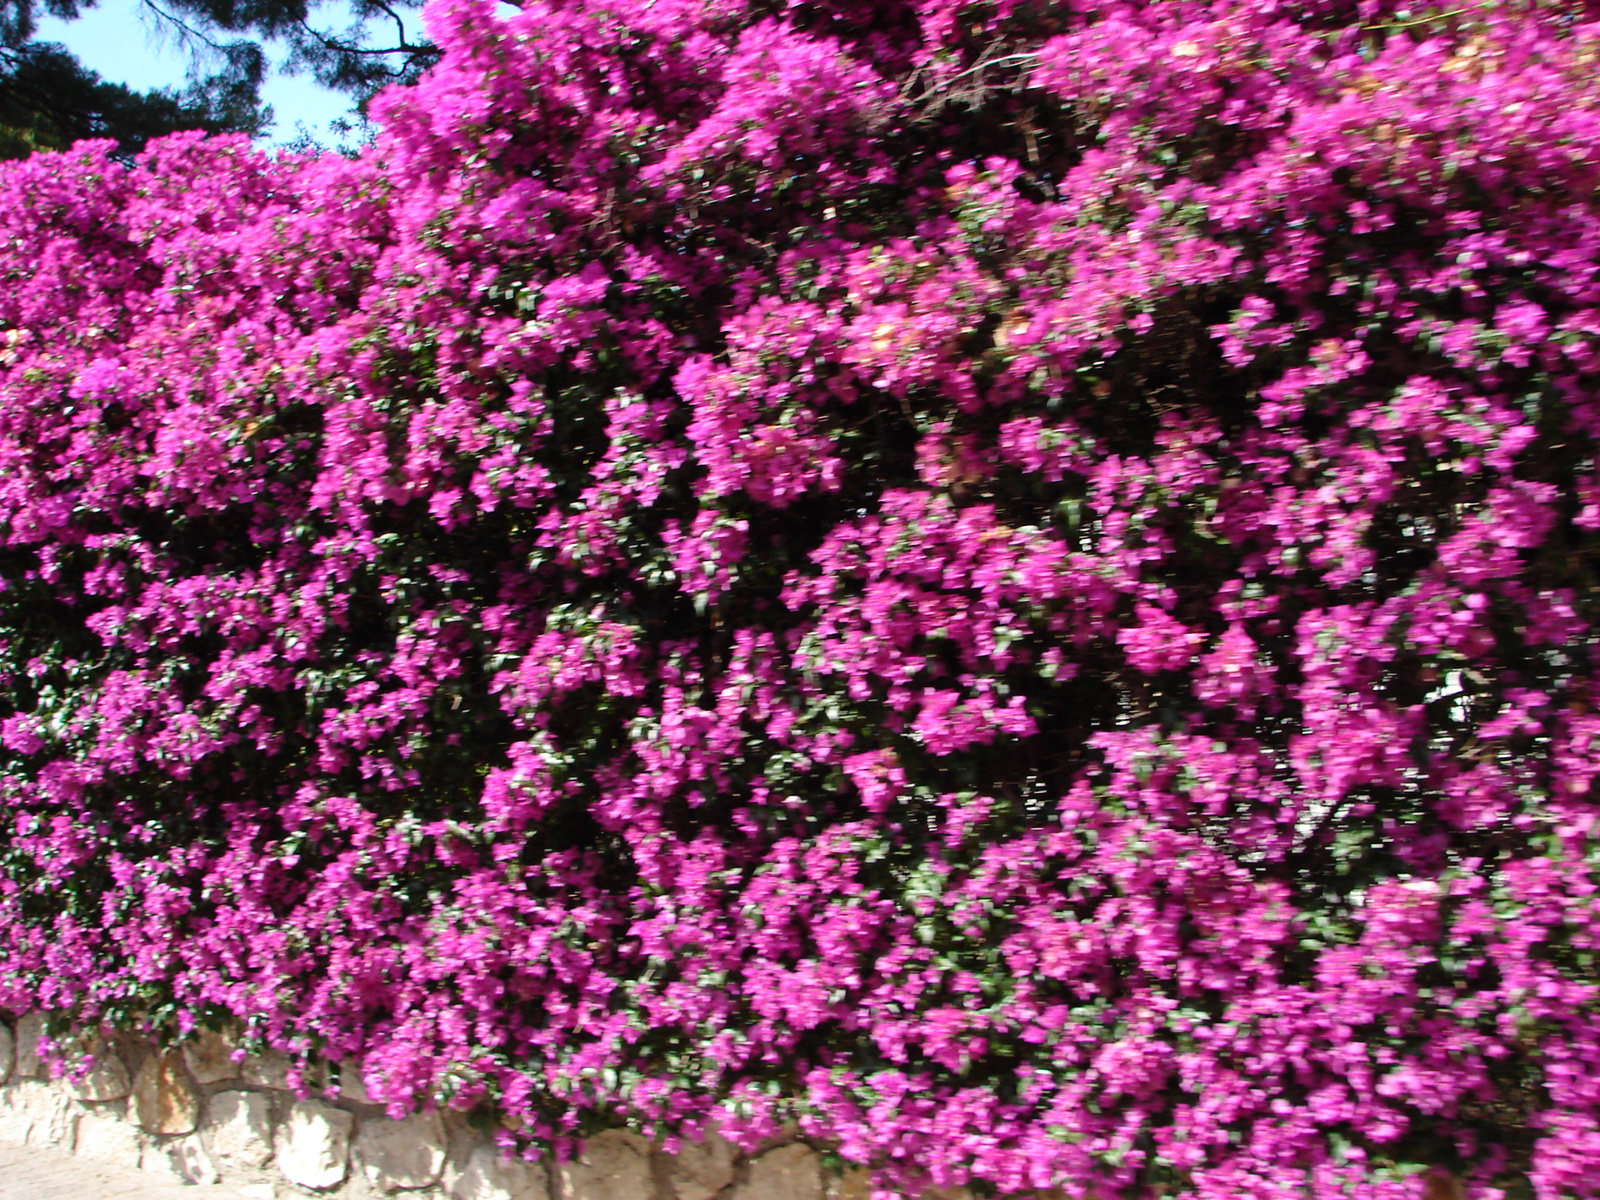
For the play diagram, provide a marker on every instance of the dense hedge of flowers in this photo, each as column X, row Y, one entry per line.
column 1013, row 582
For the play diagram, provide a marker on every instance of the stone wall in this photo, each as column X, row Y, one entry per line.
column 200, row 1116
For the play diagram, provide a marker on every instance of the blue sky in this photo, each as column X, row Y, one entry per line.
column 123, row 46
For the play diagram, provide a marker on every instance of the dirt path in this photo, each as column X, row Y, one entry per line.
column 30, row 1174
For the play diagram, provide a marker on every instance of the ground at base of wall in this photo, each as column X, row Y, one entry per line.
column 31, row 1174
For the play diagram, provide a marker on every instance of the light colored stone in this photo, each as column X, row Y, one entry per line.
column 701, row 1169
column 164, row 1099
column 36, row 1114
column 269, row 1070
column 8, row 1052
column 183, row 1159
column 15, row 1119
column 398, row 1156
column 29, row 1030
column 787, row 1132
column 489, row 1175
column 240, row 1124
column 351, row 1085
column 258, row 1191
column 107, row 1138
column 788, row 1173
column 210, row 1057
column 615, row 1165
column 313, row 1145
column 855, row 1183
column 107, row 1079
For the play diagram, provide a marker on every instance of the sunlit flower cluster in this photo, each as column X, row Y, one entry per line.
column 1011, row 582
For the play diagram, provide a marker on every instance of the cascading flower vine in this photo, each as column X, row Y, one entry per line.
column 1010, row 581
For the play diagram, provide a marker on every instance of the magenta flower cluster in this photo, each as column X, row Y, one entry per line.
column 1012, row 582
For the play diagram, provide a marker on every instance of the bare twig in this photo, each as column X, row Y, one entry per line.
column 946, row 90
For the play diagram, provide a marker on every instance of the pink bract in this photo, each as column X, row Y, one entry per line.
column 1011, row 582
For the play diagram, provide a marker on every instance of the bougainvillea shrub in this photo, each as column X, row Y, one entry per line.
column 1010, row 582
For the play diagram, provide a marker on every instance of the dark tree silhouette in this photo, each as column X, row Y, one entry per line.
column 48, row 99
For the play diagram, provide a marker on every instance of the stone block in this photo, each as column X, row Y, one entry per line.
column 240, row 1124
column 313, row 1145
column 29, row 1030
column 614, row 1165
column 184, row 1159
column 351, row 1085
column 209, row 1057
column 107, row 1078
column 269, row 1070
column 398, row 1156
column 104, row 1137
column 36, row 1114
column 854, row 1183
column 790, row 1172
column 15, row 1119
column 701, row 1169
column 8, row 1052
column 786, row 1133
column 489, row 1175
column 165, row 1100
